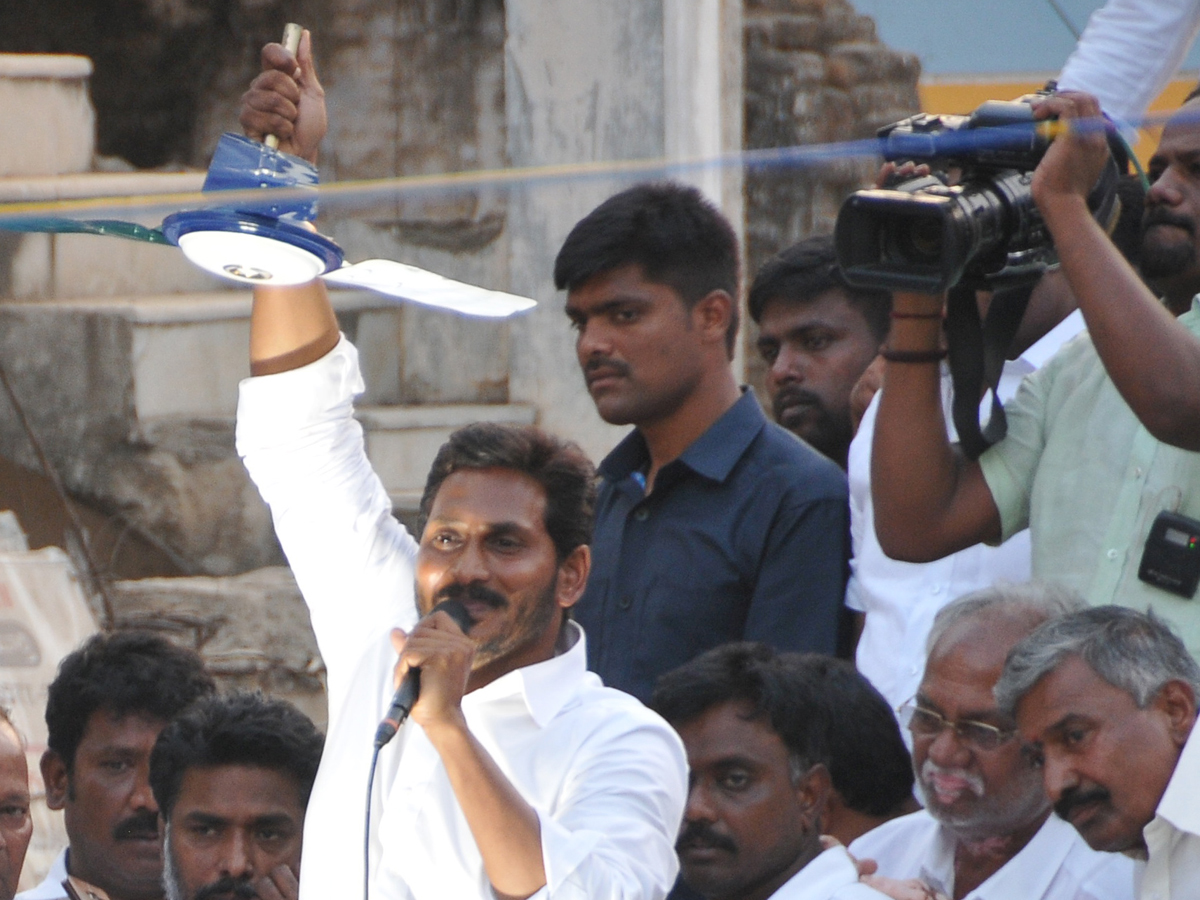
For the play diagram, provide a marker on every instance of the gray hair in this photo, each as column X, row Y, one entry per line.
column 1036, row 599
column 1135, row 652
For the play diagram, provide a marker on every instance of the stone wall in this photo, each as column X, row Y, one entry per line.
column 815, row 73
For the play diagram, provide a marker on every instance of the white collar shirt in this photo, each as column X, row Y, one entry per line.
column 1173, row 836
column 51, row 887
column 900, row 599
column 830, row 876
column 606, row 777
column 1056, row 864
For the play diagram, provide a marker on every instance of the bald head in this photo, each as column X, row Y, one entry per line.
column 16, row 827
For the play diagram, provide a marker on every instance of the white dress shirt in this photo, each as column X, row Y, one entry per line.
column 51, row 887
column 1173, row 836
column 830, row 876
column 900, row 599
column 607, row 777
column 1056, row 864
column 1129, row 51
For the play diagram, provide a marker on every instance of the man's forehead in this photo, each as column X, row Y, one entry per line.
column 1071, row 689
column 1181, row 134
column 495, row 496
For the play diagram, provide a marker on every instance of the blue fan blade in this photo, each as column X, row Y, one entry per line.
column 112, row 228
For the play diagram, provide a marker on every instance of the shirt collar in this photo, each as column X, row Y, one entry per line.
column 544, row 687
column 824, row 876
column 712, row 455
column 1028, row 874
column 51, row 887
column 1178, row 805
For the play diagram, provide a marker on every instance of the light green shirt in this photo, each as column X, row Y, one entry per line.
column 1080, row 471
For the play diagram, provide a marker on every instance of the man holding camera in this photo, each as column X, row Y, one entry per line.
column 1085, row 463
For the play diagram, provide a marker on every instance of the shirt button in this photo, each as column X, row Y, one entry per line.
column 1111, row 554
column 1137, row 473
column 642, row 514
column 937, row 589
column 625, row 602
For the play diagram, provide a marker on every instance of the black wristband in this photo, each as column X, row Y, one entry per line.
column 912, row 356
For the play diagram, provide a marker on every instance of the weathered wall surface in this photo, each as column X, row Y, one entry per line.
column 815, row 73
column 416, row 87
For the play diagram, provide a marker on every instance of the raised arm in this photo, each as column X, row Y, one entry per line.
column 1152, row 358
column 296, row 433
column 289, row 327
column 1129, row 51
column 929, row 501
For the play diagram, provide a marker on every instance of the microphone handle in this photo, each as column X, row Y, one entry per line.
column 410, row 687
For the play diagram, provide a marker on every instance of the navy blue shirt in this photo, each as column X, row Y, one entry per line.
column 744, row 537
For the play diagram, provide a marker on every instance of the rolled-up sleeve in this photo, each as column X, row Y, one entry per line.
column 304, row 451
column 611, row 835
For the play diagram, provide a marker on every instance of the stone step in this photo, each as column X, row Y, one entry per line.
column 403, row 440
column 47, row 123
column 167, row 358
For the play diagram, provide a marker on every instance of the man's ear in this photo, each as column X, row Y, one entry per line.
column 813, row 790
column 57, row 778
column 1177, row 700
column 713, row 314
column 573, row 575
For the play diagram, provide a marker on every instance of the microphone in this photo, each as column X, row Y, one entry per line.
column 406, row 695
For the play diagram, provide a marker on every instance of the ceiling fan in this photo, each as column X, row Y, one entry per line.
column 266, row 240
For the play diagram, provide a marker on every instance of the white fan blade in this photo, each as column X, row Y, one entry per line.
column 420, row 286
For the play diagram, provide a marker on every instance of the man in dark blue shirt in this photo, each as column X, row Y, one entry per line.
column 712, row 524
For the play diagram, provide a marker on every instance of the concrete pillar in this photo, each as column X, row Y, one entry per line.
column 588, row 82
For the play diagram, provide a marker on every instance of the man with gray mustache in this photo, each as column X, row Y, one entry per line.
column 987, row 830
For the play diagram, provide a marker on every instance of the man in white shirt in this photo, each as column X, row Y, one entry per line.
column 1107, row 699
column 519, row 773
column 900, row 599
column 754, row 727
column 987, row 832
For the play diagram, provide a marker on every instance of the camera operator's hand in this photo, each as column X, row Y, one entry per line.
column 287, row 100
column 1076, row 158
column 891, row 174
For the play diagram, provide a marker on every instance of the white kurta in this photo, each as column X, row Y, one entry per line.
column 1173, row 836
column 607, row 777
column 1056, row 864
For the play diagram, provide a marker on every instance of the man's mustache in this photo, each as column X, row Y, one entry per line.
column 615, row 366
column 701, row 834
column 1159, row 215
column 794, row 395
column 474, row 591
column 241, row 888
column 1074, row 798
column 974, row 781
column 139, row 826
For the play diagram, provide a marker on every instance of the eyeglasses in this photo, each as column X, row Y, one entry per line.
column 927, row 723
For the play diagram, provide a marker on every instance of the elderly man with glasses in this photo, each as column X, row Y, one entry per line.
column 987, row 830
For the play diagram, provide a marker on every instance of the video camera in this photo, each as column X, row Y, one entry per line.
column 927, row 235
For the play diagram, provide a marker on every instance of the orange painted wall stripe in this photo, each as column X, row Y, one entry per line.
column 961, row 95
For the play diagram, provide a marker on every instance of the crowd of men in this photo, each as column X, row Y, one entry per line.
column 627, row 676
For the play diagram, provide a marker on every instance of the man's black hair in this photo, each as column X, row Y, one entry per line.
column 767, row 683
column 804, row 271
column 241, row 729
column 676, row 236
column 122, row 673
column 560, row 467
column 869, row 764
column 821, row 708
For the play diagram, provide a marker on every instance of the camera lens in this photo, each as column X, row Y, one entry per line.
column 915, row 240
